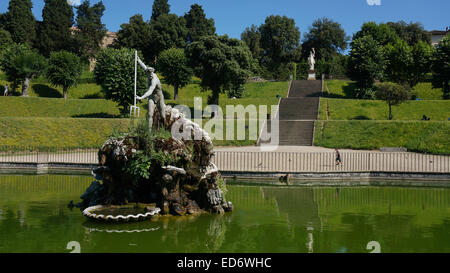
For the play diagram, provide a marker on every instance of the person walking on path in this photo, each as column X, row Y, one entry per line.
column 6, row 91
column 338, row 157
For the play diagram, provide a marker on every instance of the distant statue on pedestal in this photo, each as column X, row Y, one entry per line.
column 312, row 62
column 154, row 94
column 311, row 59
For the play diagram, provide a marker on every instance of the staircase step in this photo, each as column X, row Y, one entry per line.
column 305, row 89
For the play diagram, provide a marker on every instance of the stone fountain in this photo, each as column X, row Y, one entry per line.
column 148, row 171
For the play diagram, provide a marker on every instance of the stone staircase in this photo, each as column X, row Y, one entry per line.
column 297, row 114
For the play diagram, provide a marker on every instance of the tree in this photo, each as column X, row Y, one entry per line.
column 407, row 65
column 90, row 29
column 2, row 20
column 160, row 7
column 221, row 63
column 411, row 33
column 173, row 65
column 327, row 37
column 252, row 38
column 64, row 69
column 5, row 39
column 366, row 64
column 398, row 62
column 422, row 55
column 20, row 22
column 166, row 32
column 197, row 24
column 280, row 40
column 382, row 33
column 135, row 34
column 114, row 72
column 392, row 94
column 21, row 64
column 441, row 67
column 9, row 54
column 54, row 32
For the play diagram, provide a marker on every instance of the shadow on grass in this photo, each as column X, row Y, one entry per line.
column 93, row 96
column 46, row 91
column 96, row 115
column 333, row 96
column 349, row 90
column 86, row 81
column 361, row 118
column 167, row 95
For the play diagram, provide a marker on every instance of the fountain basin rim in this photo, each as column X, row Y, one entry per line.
column 88, row 212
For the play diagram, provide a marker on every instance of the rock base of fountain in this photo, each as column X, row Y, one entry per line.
column 178, row 176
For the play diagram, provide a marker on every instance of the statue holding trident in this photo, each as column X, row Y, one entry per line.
column 154, row 94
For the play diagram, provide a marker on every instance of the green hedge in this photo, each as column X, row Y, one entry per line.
column 426, row 137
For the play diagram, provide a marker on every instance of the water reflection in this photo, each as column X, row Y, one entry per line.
column 34, row 218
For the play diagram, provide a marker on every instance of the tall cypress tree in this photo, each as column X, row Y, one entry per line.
column 54, row 31
column 91, row 30
column 159, row 8
column 197, row 24
column 20, row 22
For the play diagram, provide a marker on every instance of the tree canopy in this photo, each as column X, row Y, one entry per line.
column 54, row 32
column 5, row 39
column 20, row 21
column 166, row 32
column 381, row 33
column 21, row 64
column 160, row 7
column 280, row 40
column 392, row 94
column 64, row 69
column 441, row 67
column 197, row 24
column 252, row 37
column 173, row 65
column 411, row 33
column 327, row 37
column 221, row 63
column 91, row 30
column 366, row 64
column 114, row 72
column 407, row 65
column 135, row 34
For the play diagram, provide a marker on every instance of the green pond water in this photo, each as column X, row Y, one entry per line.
column 34, row 218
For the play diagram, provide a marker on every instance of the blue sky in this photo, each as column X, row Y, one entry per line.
column 233, row 16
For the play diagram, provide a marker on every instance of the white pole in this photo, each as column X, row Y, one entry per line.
column 135, row 77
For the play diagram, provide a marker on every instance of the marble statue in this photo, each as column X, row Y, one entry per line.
column 311, row 60
column 154, row 94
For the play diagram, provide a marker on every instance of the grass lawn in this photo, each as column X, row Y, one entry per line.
column 32, row 133
column 20, row 133
column 258, row 93
column 13, row 106
column 344, row 89
column 351, row 109
column 418, row 136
